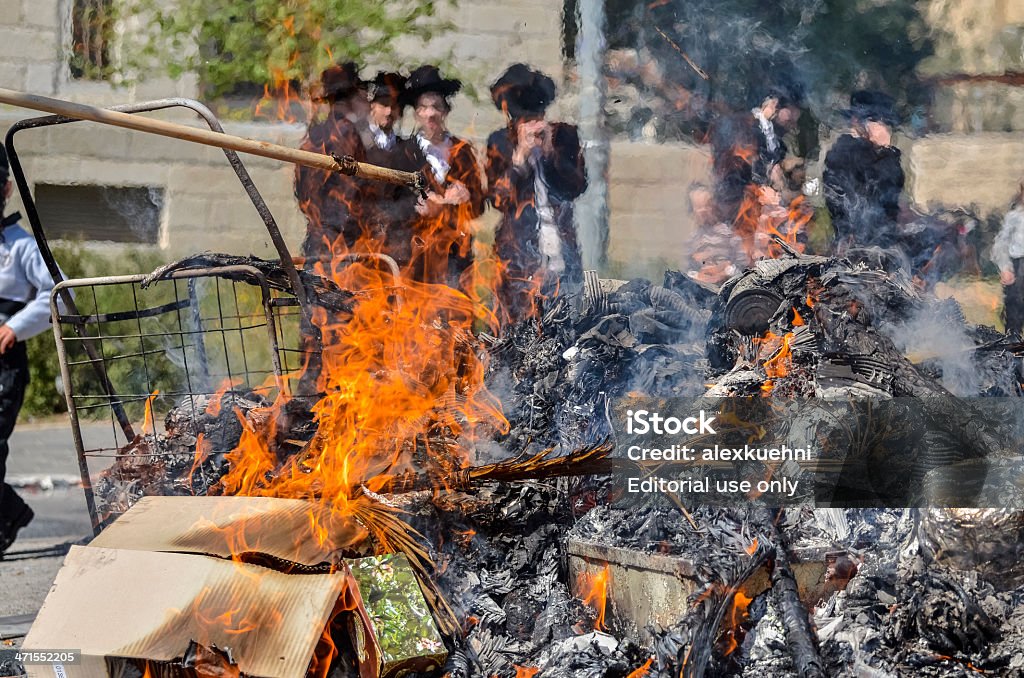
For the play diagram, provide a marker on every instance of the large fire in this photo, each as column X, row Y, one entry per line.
column 400, row 382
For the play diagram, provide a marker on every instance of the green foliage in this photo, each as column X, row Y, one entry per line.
column 43, row 396
column 394, row 601
column 231, row 44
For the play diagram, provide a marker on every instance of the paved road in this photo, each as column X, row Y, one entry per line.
column 43, row 462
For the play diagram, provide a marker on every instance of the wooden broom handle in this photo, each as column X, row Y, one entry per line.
column 346, row 165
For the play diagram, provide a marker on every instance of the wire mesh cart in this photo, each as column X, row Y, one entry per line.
column 134, row 350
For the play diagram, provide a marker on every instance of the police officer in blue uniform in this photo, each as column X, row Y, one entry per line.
column 25, row 286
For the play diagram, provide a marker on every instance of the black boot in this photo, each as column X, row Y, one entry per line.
column 9, row 531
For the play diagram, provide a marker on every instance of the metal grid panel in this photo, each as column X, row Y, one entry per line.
column 133, row 354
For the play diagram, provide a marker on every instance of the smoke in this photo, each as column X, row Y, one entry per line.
column 937, row 341
column 709, row 57
column 141, row 209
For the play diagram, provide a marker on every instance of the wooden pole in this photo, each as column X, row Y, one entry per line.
column 265, row 149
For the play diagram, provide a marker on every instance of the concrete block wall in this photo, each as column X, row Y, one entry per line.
column 983, row 169
column 205, row 206
column 976, row 37
column 650, row 221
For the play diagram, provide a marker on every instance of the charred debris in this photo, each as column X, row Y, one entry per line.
column 910, row 592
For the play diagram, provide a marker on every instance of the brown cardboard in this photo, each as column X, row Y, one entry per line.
column 138, row 604
column 226, row 526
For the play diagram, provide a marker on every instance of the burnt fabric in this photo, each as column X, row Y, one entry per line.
column 1013, row 300
column 863, row 183
column 391, row 207
column 13, row 380
column 517, row 240
column 443, row 243
column 330, row 200
column 741, row 156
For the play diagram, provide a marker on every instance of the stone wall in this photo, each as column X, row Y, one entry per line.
column 650, row 220
column 976, row 38
column 981, row 169
column 205, row 206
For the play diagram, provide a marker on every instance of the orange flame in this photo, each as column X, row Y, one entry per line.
column 148, row 427
column 200, row 456
column 780, row 358
column 737, row 615
column 762, row 216
column 594, row 589
column 281, row 100
column 401, row 377
column 781, row 363
column 214, row 405
column 525, row 671
column 752, row 549
column 641, row 671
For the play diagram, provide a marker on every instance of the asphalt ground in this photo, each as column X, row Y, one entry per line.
column 43, row 466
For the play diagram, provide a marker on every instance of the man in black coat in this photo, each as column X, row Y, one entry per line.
column 331, row 201
column 863, row 178
column 535, row 170
column 747, row 149
column 392, row 207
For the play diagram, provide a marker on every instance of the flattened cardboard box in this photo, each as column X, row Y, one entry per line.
column 148, row 586
column 136, row 604
column 227, row 526
column 152, row 575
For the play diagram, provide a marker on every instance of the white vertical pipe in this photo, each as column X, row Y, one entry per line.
column 592, row 207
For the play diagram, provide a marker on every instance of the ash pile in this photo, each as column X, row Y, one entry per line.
column 527, row 553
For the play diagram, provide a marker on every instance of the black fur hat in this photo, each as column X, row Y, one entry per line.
column 386, row 87
column 873, row 105
column 426, row 79
column 522, row 92
column 340, row 81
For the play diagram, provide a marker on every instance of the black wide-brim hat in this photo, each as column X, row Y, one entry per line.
column 339, row 81
column 522, row 92
column 386, row 87
column 427, row 79
column 873, row 105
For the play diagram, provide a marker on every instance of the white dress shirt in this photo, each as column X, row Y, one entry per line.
column 25, row 278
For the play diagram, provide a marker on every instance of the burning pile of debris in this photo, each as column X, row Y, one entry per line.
column 537, row 563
